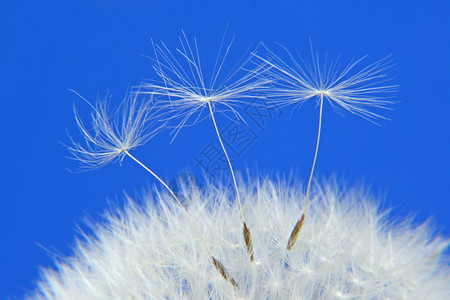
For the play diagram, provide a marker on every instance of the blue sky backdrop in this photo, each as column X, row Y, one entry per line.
column 100, row 46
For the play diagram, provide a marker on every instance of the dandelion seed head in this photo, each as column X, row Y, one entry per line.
column 349, row 249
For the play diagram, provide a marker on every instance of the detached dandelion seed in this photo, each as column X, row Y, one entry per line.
column 187, row 93
column 109, row 140
column 356, row 91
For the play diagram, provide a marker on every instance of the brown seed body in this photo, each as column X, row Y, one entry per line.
column 223, row 271
column 248, row 241
column 295, row 232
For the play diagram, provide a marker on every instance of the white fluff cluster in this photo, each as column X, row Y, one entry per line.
column 347, row 249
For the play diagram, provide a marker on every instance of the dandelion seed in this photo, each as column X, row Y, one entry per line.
column 347, row 88
column 112, row 139
column 187, row 93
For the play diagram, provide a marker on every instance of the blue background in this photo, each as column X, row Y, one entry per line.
column 96, row 46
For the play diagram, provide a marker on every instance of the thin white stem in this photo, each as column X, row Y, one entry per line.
column 176, row 198
column 228, row 159
column 315, row 155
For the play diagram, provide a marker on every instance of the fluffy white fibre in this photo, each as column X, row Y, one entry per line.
column 347, row 249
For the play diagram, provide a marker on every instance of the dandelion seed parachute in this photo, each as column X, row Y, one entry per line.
column 112, row 140
column 111, row 136
column 354, row 87
column 186, row 93
column 358, row 92
column 350, row 250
